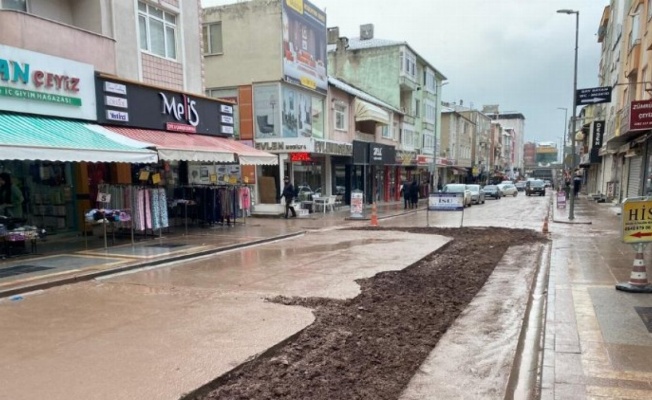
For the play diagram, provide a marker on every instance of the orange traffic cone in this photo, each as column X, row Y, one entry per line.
column 374, row 215
column 545, row 225
column 638, row 282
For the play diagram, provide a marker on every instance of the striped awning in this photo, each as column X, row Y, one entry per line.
column 200, row 148
column 27, row 137
column 365, row 111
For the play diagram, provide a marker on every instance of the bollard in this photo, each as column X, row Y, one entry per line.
column 374, row 215
column 638, row 282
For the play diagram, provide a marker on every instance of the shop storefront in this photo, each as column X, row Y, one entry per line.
column 371, row 170
column 48, row 138
column 201, row 169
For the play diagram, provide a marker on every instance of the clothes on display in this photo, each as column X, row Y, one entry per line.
column 212, row 204
column 147, row 207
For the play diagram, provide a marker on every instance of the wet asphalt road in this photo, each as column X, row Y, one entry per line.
column 153, row 333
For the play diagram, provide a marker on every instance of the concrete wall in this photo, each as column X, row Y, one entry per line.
column 252, row 44
column 375, row 71
column 35, row 33
column 57, row 10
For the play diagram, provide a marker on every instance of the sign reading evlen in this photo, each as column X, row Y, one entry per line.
column 637, row 221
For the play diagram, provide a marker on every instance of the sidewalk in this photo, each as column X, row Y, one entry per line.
column 598, row 341
column 72, row 259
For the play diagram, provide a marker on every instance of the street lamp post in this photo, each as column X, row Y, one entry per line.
column 438, row 86
column 571, row 208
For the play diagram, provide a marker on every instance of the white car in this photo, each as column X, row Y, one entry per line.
column 459, row 188
column 508, row 189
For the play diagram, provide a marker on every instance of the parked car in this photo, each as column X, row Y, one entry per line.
column 547, row 183
column 492, row 191
column 477, row 194
column 508, row 189
column 520, row 186
column 535, row 187
column 459, row 188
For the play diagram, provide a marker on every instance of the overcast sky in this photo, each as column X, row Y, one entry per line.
column 515, row 53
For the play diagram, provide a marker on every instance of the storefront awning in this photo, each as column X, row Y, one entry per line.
column 365, row 111
column 200, row 148
column 26, row 137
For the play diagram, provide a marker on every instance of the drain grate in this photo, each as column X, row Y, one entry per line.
column 21, row 269
column 646, row 315
column 167, row 245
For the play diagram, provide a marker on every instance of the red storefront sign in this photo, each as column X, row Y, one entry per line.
column 640, row 116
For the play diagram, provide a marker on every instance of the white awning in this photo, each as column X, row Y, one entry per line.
column 365, row 111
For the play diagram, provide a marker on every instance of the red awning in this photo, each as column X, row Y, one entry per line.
column 186, row 147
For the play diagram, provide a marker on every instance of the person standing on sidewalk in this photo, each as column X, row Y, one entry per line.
column 414, row 194
column 405, row 189
column 288, row 194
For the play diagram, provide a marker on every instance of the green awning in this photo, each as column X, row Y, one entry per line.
column 26, row 137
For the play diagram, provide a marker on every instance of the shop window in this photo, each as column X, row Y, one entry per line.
column 430, row 81
column 408, row 64
column 18, row 5
column 157, row 31
column 417, row 108
column 212, row 38
column 386, row 132
column 340, row 116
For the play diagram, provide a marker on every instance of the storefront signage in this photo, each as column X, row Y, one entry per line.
column 446, row 202
column 640, row 115
column 140, row 106
column 598, row 133
column 406, row 157
column 286, row 146
column 40, row 84
column 297, row 157
column 381, row 154
column 561, row 199
column 637, row 221
column 304, row 45
column 357, row 204
column 425, row 160
column 334, row 148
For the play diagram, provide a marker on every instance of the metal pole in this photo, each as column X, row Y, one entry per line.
column 571, row 209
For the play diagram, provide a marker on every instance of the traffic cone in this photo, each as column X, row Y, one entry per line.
column 545, row 225
column 638, row 278
column 374, row 215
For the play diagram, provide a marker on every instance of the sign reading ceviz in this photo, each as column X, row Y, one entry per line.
column 36, row 83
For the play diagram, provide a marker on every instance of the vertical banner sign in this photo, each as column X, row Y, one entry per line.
column 357, row 204
column 598, row 133
column 561, row 199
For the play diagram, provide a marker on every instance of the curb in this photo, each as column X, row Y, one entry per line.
column 92, row 275
column 382, row 217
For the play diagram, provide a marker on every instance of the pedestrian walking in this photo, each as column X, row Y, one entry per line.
column 414, row 194
column 577, row 184
column 405, row 189
column 288, row 194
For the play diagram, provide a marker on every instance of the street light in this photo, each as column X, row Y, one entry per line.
column 438, row 85
column 571, row 208
column 563, row 148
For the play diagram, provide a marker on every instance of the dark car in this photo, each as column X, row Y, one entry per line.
column 535, row 187
column 520, row 186
column 492, row 191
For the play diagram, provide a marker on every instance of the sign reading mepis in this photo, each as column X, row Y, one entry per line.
column 36, row 83
column 127, row 104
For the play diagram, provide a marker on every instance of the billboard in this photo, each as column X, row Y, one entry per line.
column 266, row 110
column 304, row 45
column 302, row 114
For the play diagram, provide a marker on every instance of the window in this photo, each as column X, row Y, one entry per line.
column 409, row 64
column 431, row 84
column 157, row 30
column 340, row 116
column 386, row 132
column 407, row 137
column 212, row 38
column 417, row 108
column 635, row 34
column 430, row 112
column 428, row 142
column 18, row 5
column 416, row 142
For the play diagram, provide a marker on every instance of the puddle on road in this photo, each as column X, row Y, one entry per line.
column 320, row 248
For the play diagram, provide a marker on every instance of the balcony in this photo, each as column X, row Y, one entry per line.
column 29, row 32
column 634, row 57
column 406, row 84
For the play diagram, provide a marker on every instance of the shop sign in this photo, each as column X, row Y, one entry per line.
column 286, row 146
column 446, row 202
column 40, row 84
column 598, row 133
column 425, row 160
column 140, row 106
column 299, row 157
column 334, row 148
column 561, row 199
column 406, row 157
column 357, row 204
column 640, row 115
column 381, row 154
column 304, row 45
column 637, row 221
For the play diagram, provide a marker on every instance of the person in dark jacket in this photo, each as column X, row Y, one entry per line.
column 414, row 194
column 405, row 189
column 288, row 194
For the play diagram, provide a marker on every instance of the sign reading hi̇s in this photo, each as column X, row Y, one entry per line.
column 637, row 221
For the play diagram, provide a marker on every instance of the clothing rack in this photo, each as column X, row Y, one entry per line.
column 208, row 210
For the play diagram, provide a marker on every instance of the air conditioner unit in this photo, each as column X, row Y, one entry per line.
column 366, row 31
column 333, row 35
